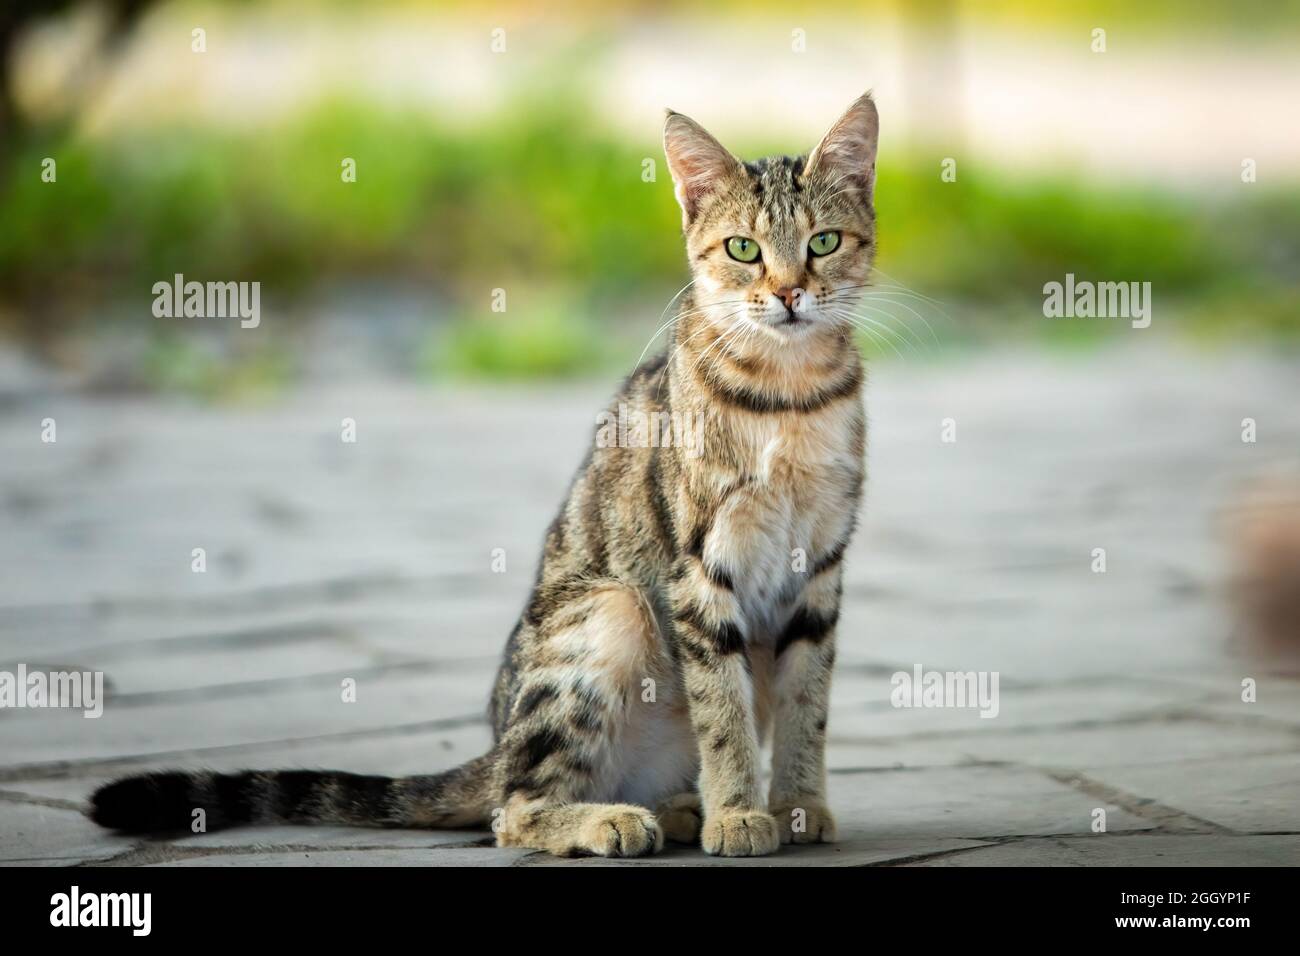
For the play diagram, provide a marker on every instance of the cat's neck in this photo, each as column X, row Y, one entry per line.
column 750, row 369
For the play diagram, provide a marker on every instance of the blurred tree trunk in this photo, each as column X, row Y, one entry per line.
column 8, row 115
column 121, row 16
column 933, row 84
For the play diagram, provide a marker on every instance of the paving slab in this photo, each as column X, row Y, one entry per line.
column 327, row 559
column 391, row 753
column 1194, row 850
column 1184, row 743
column 52, row 836
column 510, row 856
column 41, row 736
column 330, row 838
column 1248, row 794
column 862, row 711
column 1277, row 699
column 446, row 616
column 849, row 851
column 966, row 802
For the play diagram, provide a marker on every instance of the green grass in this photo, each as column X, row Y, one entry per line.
column 173, row 363
column 550, row 341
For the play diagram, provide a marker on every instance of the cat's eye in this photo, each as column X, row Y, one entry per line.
column 742, row 249
column 824, row 243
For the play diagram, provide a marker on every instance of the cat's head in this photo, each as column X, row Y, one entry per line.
column 780, row 247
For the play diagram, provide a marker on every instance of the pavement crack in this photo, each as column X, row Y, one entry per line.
column 148, row 854
column 936, row 855
column 532, row 859
column 1166, row 818
column 1124, row 720
column 91, row 766
column 31, row 799
column 316, row 593
column 189, row 695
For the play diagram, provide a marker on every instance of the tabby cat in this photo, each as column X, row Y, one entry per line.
column 686, row 602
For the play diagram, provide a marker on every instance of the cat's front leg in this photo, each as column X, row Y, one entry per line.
column 711, row 648
column 805, row 655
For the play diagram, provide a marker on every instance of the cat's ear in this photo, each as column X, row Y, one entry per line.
column 697, row 161
column 846, row 156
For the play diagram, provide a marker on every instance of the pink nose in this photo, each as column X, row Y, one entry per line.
column 787, row 295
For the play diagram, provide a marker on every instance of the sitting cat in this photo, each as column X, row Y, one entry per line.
column 686, row 601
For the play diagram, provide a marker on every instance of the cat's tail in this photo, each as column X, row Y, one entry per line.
column 169, row 800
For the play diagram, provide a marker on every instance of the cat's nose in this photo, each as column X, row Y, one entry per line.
column 789, row 295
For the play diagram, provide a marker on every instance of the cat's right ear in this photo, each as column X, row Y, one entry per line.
column 697, row 161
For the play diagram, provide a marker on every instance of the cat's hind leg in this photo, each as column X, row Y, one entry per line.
column 581, row 829
column 559, row 762
column 680, row 818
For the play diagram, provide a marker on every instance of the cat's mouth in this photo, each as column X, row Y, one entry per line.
column 783, row 328
column 790, row 324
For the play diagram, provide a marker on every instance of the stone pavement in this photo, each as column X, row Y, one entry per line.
column 1119, row 691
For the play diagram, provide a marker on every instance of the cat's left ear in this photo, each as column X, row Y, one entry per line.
column 846, row 156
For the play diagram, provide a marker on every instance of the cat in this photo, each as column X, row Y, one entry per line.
column 686, row 601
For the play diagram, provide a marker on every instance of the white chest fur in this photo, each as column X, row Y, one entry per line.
column 792, row 504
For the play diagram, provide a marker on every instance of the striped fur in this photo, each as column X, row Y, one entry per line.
column 686, row 602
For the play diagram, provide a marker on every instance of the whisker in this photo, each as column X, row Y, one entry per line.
column 929, row 328
column 903, row 285
column 895, row 287
column 882, row 311
column 858, row 321
column 882, row 315
column 737, row 336
column 869, row 292
column 712, row 345
column 665, row 325
column 681, row 315
column 680, row 345
column 875, row 337
column 882, row 339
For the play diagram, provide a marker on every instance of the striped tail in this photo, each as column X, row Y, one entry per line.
column 167, row 800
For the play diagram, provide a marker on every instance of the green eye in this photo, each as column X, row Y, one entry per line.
column 742, row 249
column 824, row 243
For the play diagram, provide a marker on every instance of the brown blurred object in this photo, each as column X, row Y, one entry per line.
column 121, row 16
column 1263, row 530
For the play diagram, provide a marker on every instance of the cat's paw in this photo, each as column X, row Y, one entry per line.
column 679, row 818
column 621, row 830
column 805, row 821
column 740, row 833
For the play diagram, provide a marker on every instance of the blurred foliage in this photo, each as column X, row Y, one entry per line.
column 533, row 193
column 175, row 363
column 539, row 196
column 1253, row 17
column 1000, row 236
column 1205, row 17
column 553, row 341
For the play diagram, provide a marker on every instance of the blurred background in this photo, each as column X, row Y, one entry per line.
column 507, row 148
column 1115, row 529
